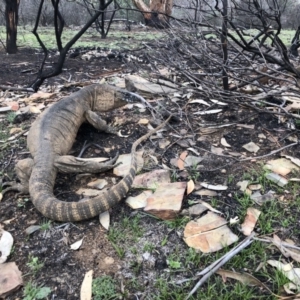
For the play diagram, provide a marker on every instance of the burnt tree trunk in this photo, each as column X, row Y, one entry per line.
column 11, row 17
column 157, row 13
column 59, row 22
column 295, row 43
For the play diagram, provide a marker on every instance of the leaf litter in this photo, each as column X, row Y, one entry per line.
column 156, row 181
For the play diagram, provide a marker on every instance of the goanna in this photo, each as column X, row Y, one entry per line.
column 50, row 139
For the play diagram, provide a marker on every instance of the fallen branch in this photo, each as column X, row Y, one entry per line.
column 208, row 271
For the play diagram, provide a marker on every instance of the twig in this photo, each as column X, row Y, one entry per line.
column 207, row 272
column 8, row 163
column 12, row 88
column 271, row 153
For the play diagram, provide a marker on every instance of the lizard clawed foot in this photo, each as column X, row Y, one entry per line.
column 71, row 164
column 14, row 186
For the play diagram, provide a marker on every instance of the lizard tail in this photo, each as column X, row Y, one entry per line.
column 58, row 210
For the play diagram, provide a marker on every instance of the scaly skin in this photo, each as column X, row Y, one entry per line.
column 51, row 138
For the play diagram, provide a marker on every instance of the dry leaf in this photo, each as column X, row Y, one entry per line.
column 216, row 150
column 163, row 143
column 224, row 143
column 293, row 274
column 250, row 220
column 183, row 143
column 246, row 126
column 234, row 154
column 38, row 95
column 248, row 192
column 295, row 160
column 15, row 130
column 33, row 228
column 86, row 286
column 192, row 161
column 194, row 151
column 288, row 287
column 104, row 219
column 34, row 109
column 139, row 201
column 143, row 121
column 13, row 105
column 166, row 167
column 98, row 184
column 254, row 187
column 251, row 147
column 281, row 166
column 261, row 199
column 218, row 102
column 286, row 251
column 76, row 245
column 205, row 192
column 180, row 162
column 200, row 101
column 208, row 112
column 243, row 185
column 210, row 207
column 277, row 179
column 190, row 187
column 197, row 209
column 88, row 192
column 214, row 187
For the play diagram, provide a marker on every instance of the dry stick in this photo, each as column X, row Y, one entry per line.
column 12, row 153
column 245, row 159
column 220, row 262
column 271, row 153
column 12, row 88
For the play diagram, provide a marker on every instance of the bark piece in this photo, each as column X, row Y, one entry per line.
column 140, row 201
column 125, row 160
column 209, row 233
column 250, row 220
column 151, row 180
column 166, row 202
column 145, row 88
column 10, row 278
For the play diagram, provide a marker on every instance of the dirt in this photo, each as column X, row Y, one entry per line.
column 64, row 269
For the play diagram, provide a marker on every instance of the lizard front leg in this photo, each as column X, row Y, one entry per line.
column 23, row 169
column 99, row 123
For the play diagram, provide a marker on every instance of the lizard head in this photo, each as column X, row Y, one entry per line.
column 110, row 97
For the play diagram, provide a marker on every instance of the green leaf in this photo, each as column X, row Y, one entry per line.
column 43, row 292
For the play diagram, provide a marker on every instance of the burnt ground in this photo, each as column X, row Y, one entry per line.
column 120, row 253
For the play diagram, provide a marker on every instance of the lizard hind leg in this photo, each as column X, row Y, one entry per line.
column 23, row 169
column 71, row 164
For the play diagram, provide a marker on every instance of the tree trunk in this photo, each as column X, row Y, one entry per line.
column 157, row 13
column 11, row 16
